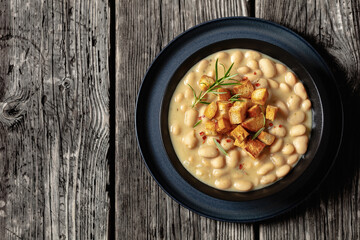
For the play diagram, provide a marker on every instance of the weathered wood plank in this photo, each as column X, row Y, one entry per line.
column 332, row 27
column 54, row 119
column 143, row 210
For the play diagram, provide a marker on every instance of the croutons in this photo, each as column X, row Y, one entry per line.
column 266, row 138
column 254, row 147
column 259, row 96
column 254, row 111
column 237, row 112
column 210, row 128
column 205, row 82
column 271, row 112
column 239, row 133
column 245, row 89
column 223, row 109
column 223, row 125
column 254, row 124
column 211, row 110
column 224, row 94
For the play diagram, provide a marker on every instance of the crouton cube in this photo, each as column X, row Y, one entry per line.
column 254, row 111
column 259, row 96
column 210, row 128
column 266, row 138
column 223, row 125
column 211, row 110
column 254, row 124
column 248, row 102
column 224, row 94
column 237, row 112
column 240, row 144
column 239, row 133
column 254, row 147
column 244, row 90
column 223, row 109
column 205, row 82
column 271, row 112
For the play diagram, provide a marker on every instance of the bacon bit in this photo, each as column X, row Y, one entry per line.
column 280, row 126
column 218, row 140
column 245, row 78
column 257, row 84
column 203, row 116
column 228, row 140
column 201, row 133
column 254, row 73
column 241, row 166
column 199, row 118
column 271, row 124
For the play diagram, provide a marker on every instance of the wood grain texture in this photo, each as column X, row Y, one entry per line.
column 143, row 210
column 332, row 27
column 54, row 119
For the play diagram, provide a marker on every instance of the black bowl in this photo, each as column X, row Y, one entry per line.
column 166, row 72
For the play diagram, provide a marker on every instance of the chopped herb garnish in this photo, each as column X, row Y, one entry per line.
column 258, row 133
column 197, row 123
column 218, row 82
column 219, row 147
column 235, row 98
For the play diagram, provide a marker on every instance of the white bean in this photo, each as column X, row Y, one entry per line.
column 301, row 144
column 223, row 183
column 179, row 97
column 282, row 108
column 299, row 90
column 190, row 140
column 290, row 78
column 243, row 70
column 252, row 55
column 297, row 130
column 205, row 162
column 208, row 151
column 203, row 64
column 218, row 162
column 188, row 93
column 306, row 105
column 292, row 159
column 199, row 172
column 253, row 64
column 190, row 79
column 288, row 149
column 232, row 158
column 282, row 171
column 243, row 185
column 293, row 102
column 236, row 57
column 267, row 67
column 175, row 129
column 273, row 84
column 227, row 143
column 284, row 87
column 183, row 107
column 296, row 117
column 277, row 144
column 252, row 76
column 264, row 169
column 277, row 159
column 222, row 56
column 268, row 179
column 261, row 83
column 219, row 172
column 278, row 131
column 280, row 68
column 211, row 73
column 191, row 117
column 210, row 140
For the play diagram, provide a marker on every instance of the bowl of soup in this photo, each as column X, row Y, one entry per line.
column 239, row 119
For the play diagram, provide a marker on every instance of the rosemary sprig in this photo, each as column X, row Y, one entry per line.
column 235, row 98
column 258, row 133
column 217, row 84
column 220, row 147
column 197, row 123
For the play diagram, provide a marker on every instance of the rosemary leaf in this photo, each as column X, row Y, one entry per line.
column 258, row 133
column 220, row 147
column 198, row 122
column 203, row 102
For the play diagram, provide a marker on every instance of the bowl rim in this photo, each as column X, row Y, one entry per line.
column 164, row 186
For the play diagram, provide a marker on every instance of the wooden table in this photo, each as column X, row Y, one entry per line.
column 69, row 163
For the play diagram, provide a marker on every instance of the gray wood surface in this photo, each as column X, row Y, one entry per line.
column 54, row 119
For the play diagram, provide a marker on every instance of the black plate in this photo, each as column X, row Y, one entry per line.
column 171, row 65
